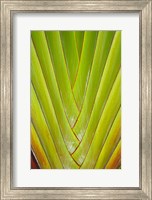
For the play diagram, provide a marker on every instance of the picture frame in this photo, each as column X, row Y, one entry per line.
column 8, row 9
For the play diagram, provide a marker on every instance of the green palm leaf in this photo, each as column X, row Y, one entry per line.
column 96, row 140
column 101, row 53
column 45, row 101
column 86, row 59
column 76, row 99
column 115, row 160
column 38, row 149
column 71, row 57
column 79, row 36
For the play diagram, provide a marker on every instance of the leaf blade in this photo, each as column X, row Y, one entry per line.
column 115, row 160
column 84, row 153
column 79, row 36
column 89, row 43
column 101, row 53
column 53, row 141
column 38, row 150
column 110, row 143
column 56, row 52
column 51, row 99
column 70, row 52
column 43, row 132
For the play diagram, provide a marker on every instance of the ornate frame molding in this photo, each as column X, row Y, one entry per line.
column 8, row 9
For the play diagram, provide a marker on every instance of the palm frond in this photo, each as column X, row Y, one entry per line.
column 76, row 99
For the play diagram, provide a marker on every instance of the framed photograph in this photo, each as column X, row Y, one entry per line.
column 76, row 99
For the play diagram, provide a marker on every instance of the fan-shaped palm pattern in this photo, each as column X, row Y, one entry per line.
column 76, row 99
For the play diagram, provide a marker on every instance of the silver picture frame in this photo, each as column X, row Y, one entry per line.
column 8, row 9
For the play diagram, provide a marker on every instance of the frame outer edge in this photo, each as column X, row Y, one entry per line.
column 2, row 111
column 5, row 100
column 76, row 5
column 5, row 110
column 146, row 100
